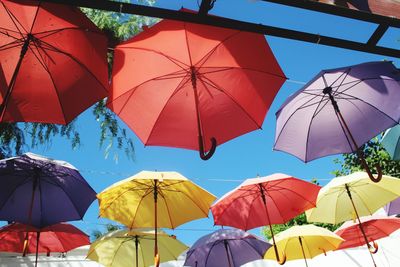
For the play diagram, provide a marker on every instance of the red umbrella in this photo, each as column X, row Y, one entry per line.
column 273, row 199
column 60, row 237
column 374, row 227
column 54, row 61
column 192, row 86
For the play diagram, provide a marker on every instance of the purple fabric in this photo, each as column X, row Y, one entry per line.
column 61, row 194
column 210, row 250
column 393, row 208
column 368, row 96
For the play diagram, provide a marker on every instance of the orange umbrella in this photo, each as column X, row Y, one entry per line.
column 192, row 86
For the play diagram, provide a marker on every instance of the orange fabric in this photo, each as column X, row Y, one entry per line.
column 64, row 70
column 237, row 78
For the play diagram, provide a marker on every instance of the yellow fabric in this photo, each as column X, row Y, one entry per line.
column 316, row 240
column 334, row 205
column 117, row 249
column 131, row 201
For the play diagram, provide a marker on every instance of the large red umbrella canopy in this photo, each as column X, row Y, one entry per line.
column 375, row 227
column 192, row 86
column 260, row 201
column 60, row 237
column 54, row 61
column 285, row 197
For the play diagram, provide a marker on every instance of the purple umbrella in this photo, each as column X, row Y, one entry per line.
column 338, row 111
column 226, row 247
column 393, row 208
column 40, row 191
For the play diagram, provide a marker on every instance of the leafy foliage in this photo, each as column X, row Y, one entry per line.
column 96, row 234
column 15, row 138
column 374, row 154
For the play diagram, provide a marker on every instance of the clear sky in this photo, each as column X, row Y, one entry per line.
column 245, row 156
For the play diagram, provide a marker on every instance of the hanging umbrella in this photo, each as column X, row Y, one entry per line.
column 393, row 207
column 338, row 111
column 60, row 237
column 202, row 87
column 305, row 242
column 349, row 197
column 54, row 61
column 226, row 247
column 154, row 199
column 273, row 199
column 40, row 191
column 391, row 142
column 374, row 227
column 133, row 248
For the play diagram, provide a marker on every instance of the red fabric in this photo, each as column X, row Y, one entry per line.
column 65, row 68
column 60, row 237
column 286, row 197
column 3, row 83
column 374, row 229
column 237, row 79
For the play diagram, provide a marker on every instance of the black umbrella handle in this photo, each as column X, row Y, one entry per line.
column 207, row 155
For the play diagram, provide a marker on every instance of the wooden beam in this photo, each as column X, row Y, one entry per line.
column 206, row 5
column 229, row 23
column 377, row 35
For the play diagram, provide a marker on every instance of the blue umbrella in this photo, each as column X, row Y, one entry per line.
column 226, row 247
column 40, row 191
column 391, row 142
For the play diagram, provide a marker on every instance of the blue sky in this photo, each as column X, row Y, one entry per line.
column 245, row 156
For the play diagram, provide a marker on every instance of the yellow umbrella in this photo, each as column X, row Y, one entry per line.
column 304, row 242
column 349, row 197
column 124, row 248
column 154, row 199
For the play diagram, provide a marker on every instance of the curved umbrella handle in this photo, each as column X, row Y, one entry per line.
column 282, row 260
column 374, row 248
column 368, row 170
column 210, row 153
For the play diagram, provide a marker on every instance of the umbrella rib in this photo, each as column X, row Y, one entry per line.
column 371, row 106
column 221, row 69
column 206, row 80
column 168, row 211
column 35, row 17
column 308, row 249
column 212, row 51
column 11, row 45
column 187, row 44
column 45, row 67
column 14, row 19
column 55, row 49
column 291, row 115
column 250, row 245
column 116, row 251
column 13, row 191
column 177, row 89
column 149, row 191
column 309, row 128
column 173, row 60
column 194, row 202
column 279, row 211
column 248, row 214
column 5, row 31
column 51, row 32
column 209, row 251
column 134, row 89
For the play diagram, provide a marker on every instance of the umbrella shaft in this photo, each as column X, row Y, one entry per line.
column 302, row 250
column 358, row 217
column 227, row 253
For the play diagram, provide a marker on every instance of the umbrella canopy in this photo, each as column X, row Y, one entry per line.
column 54, row 61
column 60, row 237
column 133, row 248
column 393, row 207
column 273, row 199
column 391, row 142
column 334, row 204
column 41, row 191
column 226, row 247
column 375, row 227
column 304, row 242
column 154, row 199
column 209, row 85
column 339, row 110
